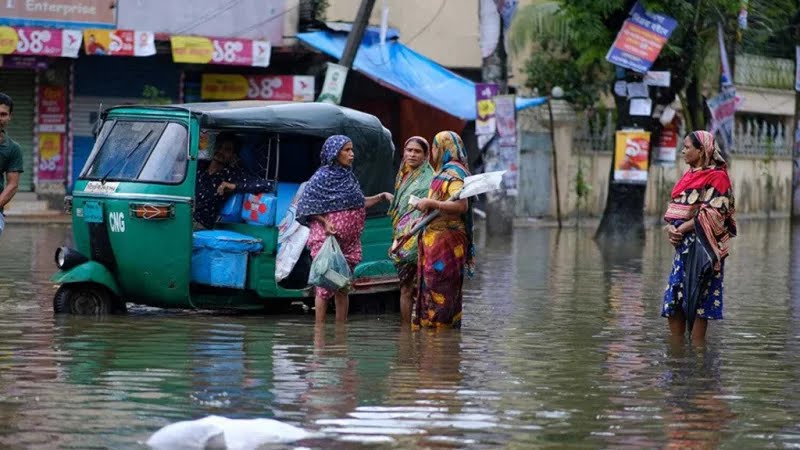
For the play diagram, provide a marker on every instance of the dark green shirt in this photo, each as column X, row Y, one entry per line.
column 10, row 160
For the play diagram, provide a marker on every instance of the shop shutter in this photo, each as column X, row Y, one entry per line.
column 20, row 85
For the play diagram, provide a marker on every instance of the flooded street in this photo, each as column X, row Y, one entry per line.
column 562, row 345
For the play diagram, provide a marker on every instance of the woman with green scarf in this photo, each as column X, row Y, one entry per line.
column 414, row 178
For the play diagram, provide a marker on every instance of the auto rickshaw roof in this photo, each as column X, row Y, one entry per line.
column 372, row 142
column 310, row 119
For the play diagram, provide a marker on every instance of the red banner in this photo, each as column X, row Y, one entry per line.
column 297, row 88
column 281, row 88
column 52, row 109
column 233, row 52
column 40, row 41
column 240, row 52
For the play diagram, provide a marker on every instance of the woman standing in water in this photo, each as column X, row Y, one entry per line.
column 413, row 178
column 700, row 224
column 445, row 248
column 334, row 205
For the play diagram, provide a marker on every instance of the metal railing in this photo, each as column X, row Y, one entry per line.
column 761, row 71
column 594, row 132
column 759, row 137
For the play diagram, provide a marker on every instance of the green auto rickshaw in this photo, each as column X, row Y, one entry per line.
column 132, row 206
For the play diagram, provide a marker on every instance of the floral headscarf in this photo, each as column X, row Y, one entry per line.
column 449, row 148
column 709, row 147
column 333, row 187
column 450, row 164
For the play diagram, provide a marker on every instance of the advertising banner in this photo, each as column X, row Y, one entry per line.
column 23, row 62
column 119, row 42
column 297, row 88
column 631, row 154
column 486, row 122
column 641, row 39
column 58, row 14
column 333, row 86
column 51, row 157
column 40, row 42
column 667, row 148
column 225, row 51
column 506, row 118
column 52, row 109
column 723, row 109
column 797, row 68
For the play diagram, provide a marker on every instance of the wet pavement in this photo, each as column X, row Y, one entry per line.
column 562, row 346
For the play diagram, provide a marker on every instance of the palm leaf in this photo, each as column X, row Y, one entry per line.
column 540, row 22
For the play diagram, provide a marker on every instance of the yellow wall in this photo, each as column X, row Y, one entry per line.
column 451, row 36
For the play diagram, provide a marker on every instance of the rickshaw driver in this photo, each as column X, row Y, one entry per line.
column 220, row 179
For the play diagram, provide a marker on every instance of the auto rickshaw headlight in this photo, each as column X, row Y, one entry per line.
column 67, row 258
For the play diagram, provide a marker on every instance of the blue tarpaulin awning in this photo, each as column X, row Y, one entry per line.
column 402, row 69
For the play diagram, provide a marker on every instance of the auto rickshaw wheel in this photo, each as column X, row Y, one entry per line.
column 86, row 299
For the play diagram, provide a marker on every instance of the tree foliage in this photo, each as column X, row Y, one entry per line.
column 580, row 32
column 556, row 59
column 769, row 28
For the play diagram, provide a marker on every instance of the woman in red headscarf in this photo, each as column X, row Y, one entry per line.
column 700, row 225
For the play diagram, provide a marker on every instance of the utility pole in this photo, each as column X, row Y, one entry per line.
column 494, row 69
column 356, row 33
column 795, row 206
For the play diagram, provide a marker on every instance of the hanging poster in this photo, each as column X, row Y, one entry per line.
column 52, row 109
column 119, row 42
column 723, row 109
column 485, row 123
column 797, row 68
column 333, row 86
column 641, row 39
column 667, row 148
column 51, row 157
column 297, row 88
column 640, row 107
column 631, row 155
column 40, row 41
column 225, row 51
column 505, row 115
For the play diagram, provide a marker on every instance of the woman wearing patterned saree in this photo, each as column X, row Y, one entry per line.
column 700, row 225
column 413, row 178
column 445, row 247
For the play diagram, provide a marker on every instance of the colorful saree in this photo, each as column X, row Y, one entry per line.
column 696, row 280
column 409, row 182
column 445, row 249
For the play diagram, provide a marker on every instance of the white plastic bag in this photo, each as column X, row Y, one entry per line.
column 289, row 251
column 292, row 238
column 216, row 432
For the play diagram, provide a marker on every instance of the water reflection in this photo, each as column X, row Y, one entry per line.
column 563, row 346
column 696, row 409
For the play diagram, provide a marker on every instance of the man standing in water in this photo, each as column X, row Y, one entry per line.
column 10, row 158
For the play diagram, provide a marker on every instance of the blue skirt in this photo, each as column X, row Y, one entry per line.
column 710, row 304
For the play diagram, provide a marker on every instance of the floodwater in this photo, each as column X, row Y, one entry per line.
column 562, row 346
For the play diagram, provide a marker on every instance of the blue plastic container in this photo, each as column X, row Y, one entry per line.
column 231, row 211
column 286, row 192
column 259, row 209
column 219, row 257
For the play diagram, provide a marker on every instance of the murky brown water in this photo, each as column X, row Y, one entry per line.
column 562, row 346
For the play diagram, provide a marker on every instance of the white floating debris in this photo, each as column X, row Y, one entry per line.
column 223, row 433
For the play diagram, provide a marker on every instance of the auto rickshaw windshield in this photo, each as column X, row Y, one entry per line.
column 137, row 150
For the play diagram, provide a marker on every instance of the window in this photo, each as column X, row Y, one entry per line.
column 129, row 150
